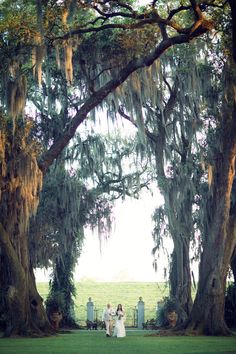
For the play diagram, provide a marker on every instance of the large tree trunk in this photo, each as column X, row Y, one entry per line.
column 20, row 183
column 180, row 278
column 207, row 316
column 179, row 214
column 24, row 311
column 180, row 219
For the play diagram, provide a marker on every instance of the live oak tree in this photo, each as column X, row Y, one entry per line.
column 217, row 203
column 29, row 31
column 219, row 238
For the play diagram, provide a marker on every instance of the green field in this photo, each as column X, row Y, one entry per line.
column 126, row 293
column 94, row 342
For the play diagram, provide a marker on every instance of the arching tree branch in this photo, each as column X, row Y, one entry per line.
column 139, row 20
column 97, row 97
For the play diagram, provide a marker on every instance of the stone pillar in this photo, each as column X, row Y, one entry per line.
column 160, row 305
column 140, row 313
column 90, row 310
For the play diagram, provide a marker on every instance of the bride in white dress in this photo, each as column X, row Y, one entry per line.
column 119, row 330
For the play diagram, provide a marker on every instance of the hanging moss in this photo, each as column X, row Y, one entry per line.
column 68, row 54
column 16, row 86
column 58, row 59
column 38, row 55
column 24, row 179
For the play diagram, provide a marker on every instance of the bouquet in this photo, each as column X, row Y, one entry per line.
column 120, row 315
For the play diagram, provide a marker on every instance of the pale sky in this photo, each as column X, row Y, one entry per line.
column 126, row 255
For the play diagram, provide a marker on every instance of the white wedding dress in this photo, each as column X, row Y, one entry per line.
column 119, row 329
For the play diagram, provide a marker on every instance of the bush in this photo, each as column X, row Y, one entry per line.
column 230, row 306
column 150, row 324
column 54, row 305
column 168, row 305
column 54, row 302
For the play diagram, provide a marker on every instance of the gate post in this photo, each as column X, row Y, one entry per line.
column 90, row 310
column 140, row 313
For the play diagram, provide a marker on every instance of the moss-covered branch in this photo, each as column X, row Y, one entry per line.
column 97, row 97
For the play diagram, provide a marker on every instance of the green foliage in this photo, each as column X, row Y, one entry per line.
column 55, row 302
column 66, row 207
column 160, row 230
column 230, row 305
column 17, row 22
column 62, row 290
column 57, row 224
column 166, row 306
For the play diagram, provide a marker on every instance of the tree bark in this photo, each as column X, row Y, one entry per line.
column 180, row 273
column 25, row 314
column 207, row 316
column 180, row 278
column 20, row 183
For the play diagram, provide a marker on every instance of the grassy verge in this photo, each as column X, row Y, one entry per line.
column 95, row 342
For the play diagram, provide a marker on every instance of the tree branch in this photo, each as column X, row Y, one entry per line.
column 140, row 20
column 97, row 97
column 150, row 135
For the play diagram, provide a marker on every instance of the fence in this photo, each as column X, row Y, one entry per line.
column 131, row 315
column 127, row 293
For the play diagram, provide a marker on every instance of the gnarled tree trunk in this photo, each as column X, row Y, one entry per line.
column 23, row 305
column 208, row 311
column 20, row 183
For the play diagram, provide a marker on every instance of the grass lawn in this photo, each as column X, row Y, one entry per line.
column 95, row 342
column 126, row 293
